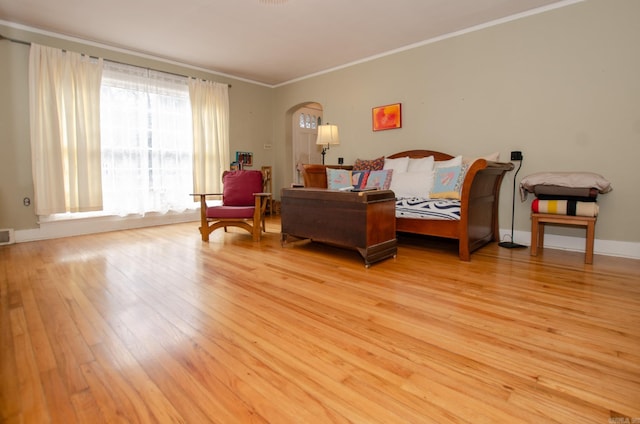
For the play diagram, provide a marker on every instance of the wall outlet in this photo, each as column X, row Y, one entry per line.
column 516, row 155
column 267, row 146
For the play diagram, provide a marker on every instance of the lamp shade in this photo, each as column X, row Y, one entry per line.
column 328, row 134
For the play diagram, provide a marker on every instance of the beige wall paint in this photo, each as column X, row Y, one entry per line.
column 562, row 86
column 250, row 119
column 16, row 182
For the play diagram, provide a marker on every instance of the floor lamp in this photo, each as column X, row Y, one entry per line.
column 515, row 156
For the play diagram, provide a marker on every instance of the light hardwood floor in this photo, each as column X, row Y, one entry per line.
column 153, row 325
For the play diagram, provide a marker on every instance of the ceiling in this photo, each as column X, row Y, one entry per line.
column 261, row 42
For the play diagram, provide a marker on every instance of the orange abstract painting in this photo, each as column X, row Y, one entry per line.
column 387, row 117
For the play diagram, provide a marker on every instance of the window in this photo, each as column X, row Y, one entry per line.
column 110, row 138
column 146, row 141
column 309, row 121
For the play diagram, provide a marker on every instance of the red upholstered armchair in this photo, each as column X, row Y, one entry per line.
column 243, row 205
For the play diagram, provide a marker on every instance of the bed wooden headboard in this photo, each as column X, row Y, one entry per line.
column 422, row 154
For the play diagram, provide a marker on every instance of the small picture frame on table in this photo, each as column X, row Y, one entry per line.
column 245, row 158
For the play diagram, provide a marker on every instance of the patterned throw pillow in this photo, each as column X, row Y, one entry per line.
column 338, row 178
column 359, row 179
column 369, row 165
column 379, row 179
column 448, row 182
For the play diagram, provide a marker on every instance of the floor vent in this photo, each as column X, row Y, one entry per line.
column 6, row 236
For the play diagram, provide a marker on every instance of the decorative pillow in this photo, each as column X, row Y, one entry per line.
column 412, row 184
column 420, row 164
column 448, row 182
column 457, row 161
column 369, row 165
column 239, row 186
column 379, row 179
column 398, row 164
column 338, row 178
column 493, row 157
column 359, row 179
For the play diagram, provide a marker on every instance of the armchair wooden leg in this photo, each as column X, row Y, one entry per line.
column 258, row 219
column 204, row 227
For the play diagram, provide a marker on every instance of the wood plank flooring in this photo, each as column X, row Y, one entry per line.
column 154, row 326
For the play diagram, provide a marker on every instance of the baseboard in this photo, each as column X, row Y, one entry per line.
column 84, row 226
column 623, row 249
column 76, row 227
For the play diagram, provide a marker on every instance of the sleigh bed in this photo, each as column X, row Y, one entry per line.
column 472, row 220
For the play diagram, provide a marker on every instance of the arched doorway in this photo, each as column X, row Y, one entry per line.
column 304, row 129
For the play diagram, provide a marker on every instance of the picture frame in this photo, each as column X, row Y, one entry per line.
column 244, row 158
column 387, row 117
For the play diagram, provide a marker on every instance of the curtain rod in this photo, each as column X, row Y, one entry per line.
column 28, row 43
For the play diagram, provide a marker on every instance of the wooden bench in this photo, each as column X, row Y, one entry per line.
column 538, row 221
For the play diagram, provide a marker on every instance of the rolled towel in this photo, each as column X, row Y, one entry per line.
column 565, row 207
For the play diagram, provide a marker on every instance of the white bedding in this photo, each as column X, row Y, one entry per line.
column 414, row 207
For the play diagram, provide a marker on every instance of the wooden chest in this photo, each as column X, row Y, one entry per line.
column 364, row 221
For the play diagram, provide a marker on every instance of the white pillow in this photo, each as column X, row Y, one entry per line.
column 398, row 164
column 493, row 157
column 412, row 184
column 457, row 161
column 420, row 164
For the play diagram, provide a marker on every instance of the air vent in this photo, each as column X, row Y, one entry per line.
column 6, row 236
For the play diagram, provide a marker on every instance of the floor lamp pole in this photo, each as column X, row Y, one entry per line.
column 511, row 244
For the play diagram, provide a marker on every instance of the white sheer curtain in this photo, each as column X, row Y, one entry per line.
column 64, row 107
column 210, row 110
column 147, row 151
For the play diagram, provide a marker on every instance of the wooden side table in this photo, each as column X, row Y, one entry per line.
column 538, row 221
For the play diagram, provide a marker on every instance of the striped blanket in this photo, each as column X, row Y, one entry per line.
column 565, row 207
column 416, row 207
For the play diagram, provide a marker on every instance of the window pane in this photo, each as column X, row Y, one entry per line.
column 146, row 138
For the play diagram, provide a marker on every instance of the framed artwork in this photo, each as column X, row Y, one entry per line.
column 244, row 158
column 387, row 117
